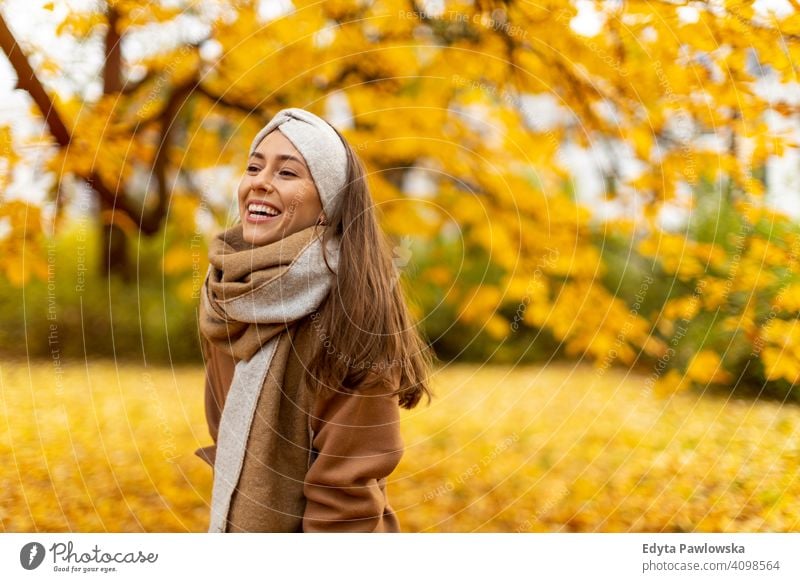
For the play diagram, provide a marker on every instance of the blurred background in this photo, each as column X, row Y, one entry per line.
column 593, row 208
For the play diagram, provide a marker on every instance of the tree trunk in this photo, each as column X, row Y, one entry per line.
column 114, row 258
column 114, row 240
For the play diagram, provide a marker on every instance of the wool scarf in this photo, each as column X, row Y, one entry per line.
column 251, row 297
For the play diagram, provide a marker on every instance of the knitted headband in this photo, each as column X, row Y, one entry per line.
column 320, row 146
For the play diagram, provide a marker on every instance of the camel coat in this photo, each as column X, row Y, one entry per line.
column 342, row 453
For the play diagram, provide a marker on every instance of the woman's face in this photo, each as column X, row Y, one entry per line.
column 277, row 195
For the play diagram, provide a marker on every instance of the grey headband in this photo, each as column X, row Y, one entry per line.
column 320, row 146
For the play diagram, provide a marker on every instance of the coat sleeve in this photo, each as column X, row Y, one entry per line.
column 219, row 375
column 357, row 442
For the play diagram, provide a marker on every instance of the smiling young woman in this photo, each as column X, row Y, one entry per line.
column 309, row 345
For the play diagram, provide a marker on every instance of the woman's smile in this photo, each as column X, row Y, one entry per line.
column 261, row 211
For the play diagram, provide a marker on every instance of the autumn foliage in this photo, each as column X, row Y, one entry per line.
column 553, row 448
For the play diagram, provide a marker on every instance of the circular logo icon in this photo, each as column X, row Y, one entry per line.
column 31, row 555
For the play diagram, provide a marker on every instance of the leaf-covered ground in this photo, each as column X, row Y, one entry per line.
column 107, row 447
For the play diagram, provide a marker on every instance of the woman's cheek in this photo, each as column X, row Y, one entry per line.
column 242, row 193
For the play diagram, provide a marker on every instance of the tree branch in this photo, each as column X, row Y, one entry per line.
column 27, row 80
column 152, row 223
column 231, row 104
column 112, row 69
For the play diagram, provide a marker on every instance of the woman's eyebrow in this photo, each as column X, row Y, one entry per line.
column 282, row 157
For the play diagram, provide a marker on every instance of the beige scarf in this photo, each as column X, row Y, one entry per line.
column 250, row 300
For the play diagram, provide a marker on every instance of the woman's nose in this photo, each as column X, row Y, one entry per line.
column 262, row 181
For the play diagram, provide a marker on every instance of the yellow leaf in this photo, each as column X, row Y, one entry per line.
column 706, row 367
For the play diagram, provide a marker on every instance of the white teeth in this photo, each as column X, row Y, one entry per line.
column 256, row 207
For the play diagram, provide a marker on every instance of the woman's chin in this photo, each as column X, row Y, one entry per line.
column 266, row 232
column 257, row 235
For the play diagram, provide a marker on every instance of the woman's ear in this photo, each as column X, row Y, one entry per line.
column 322, row 219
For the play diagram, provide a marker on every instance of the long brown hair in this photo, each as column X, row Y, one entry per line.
column 365, row 329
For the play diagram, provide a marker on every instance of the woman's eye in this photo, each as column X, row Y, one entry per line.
column 285, row 172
